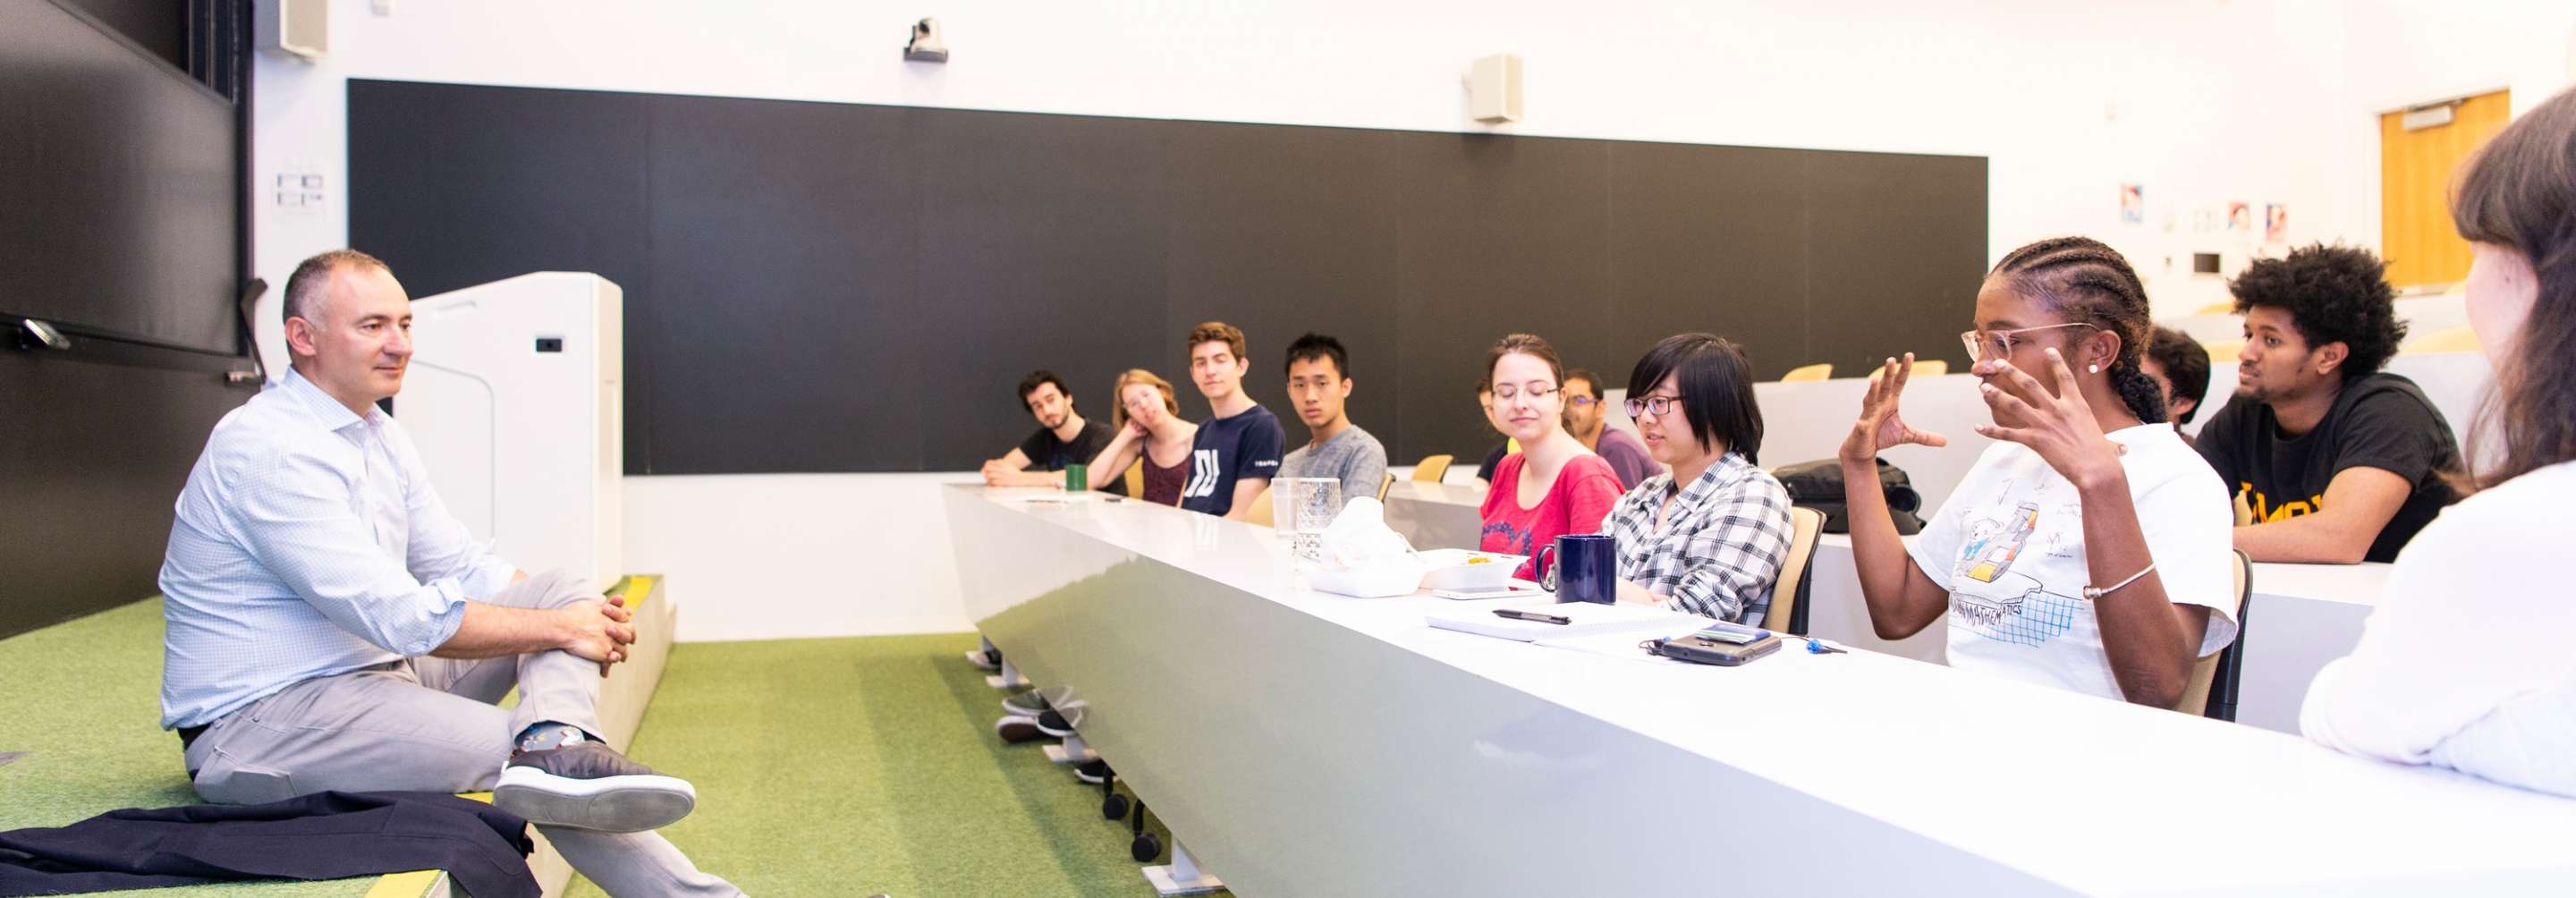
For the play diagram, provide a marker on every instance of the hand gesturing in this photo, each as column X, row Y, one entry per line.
column 2060, row 428
column 1880, row 426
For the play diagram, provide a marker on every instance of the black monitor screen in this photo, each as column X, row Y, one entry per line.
column 118, row 209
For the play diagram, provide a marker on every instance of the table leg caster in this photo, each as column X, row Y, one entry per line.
column 1113, row 806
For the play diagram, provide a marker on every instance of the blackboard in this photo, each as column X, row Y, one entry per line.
column 825, row 287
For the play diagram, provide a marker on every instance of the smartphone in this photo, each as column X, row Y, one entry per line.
column 1493, row 592
column 1737, row 634
column 1697, row 649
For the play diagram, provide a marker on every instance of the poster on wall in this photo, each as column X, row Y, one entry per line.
column 2276, row 223
column 2133, row 204
column 2240, row 218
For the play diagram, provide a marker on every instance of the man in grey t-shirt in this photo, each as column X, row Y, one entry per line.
column 1319, row 381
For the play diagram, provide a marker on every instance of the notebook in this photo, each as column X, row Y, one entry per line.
column 1589, row 620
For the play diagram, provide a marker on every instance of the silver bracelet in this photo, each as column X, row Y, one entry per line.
column 2091, row 594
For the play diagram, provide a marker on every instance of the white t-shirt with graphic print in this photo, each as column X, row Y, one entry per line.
column 2009, row 545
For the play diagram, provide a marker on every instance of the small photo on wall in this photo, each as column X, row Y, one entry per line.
column 2240, row 217
column 2276, row 223
column 2133, row 204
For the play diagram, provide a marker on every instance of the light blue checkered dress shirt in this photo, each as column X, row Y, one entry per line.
column 308, row 544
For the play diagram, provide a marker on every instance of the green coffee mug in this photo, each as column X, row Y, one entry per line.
column 1077, row 478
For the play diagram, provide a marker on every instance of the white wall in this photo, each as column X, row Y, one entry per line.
column 777, row 556
column 2202, row 101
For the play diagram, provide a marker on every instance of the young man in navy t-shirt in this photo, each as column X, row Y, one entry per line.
column 1237, row 451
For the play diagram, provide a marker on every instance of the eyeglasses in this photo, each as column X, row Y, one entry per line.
column 1580, row 401
column 1505, row 392
column 1998, row 344
column 1660, row 405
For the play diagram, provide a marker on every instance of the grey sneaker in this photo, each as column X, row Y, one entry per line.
column 588, row 785
column 1094, row 772
column 987, row 659
column 1027, row 704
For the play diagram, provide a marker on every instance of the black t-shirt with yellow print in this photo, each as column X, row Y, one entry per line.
column 2380, row 421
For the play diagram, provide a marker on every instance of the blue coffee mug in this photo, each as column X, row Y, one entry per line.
column 1586, row 569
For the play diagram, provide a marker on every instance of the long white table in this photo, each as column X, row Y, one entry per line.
column 2300, row 617
column 1302, row 743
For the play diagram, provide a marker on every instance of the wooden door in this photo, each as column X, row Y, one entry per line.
column 2415, row 169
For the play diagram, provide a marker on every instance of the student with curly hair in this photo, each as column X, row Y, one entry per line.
column 2338, row 461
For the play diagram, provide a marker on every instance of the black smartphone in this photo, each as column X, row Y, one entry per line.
column 1699, row 649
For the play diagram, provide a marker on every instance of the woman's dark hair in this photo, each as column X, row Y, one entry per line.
column 1526, row 344
column 2186, row 364
column 1715, row 381
column 2334, row 294
column 2519, row 191
column 2084, row 280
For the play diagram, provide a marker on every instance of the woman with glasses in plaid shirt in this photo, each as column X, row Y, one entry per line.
column 1709, row 537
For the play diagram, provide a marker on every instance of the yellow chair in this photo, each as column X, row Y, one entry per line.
column 2449, row 339
column 1922, row 368
column 1819, row 371
column 2223, row 352
column 2212, row 692
column 2217, row 308
column 1259, row 513
column 1136, row 478
column 1384, row 483
column 1431, row 468
column 1805, row 524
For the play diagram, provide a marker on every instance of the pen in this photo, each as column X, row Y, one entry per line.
column 1557, row 619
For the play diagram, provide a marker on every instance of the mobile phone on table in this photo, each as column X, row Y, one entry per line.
column 1486, row 592
column 1737, row 634
column 1698, row 649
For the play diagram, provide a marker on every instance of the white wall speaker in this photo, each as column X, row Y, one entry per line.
column 1494, row 90
column 292, row 29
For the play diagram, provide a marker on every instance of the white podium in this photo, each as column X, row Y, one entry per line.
column 514, row 400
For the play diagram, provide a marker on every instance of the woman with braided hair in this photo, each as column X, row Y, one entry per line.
column 2089, row 547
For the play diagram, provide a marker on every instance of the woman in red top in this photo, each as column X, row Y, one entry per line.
column 1553, row 486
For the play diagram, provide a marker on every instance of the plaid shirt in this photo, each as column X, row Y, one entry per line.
column 1720, row 551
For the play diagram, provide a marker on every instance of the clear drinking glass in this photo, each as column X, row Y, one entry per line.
column 1301, row 508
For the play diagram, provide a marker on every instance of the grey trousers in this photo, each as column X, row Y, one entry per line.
column 431, row 725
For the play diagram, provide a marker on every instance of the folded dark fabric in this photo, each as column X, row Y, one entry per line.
column 324, row 835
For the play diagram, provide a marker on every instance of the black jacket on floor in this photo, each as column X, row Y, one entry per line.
column 325, row 835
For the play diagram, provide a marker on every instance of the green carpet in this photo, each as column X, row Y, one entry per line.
column 84, row 703
column 824, row 767
column 847, row 767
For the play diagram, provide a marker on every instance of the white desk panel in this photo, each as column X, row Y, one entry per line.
column 1308, row 744
column 1436, row 515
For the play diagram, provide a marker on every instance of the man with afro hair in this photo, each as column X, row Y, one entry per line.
column 2338, row 461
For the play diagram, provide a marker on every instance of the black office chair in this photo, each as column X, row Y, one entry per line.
column 2231, row 660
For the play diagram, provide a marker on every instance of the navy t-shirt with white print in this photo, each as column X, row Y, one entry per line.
column 1227, row 450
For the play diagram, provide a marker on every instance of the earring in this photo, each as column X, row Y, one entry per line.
column 2092, row 369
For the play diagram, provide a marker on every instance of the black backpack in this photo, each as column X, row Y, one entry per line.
column 1819, row 485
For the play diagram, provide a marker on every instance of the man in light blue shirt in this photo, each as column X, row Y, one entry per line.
column 332, row 626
